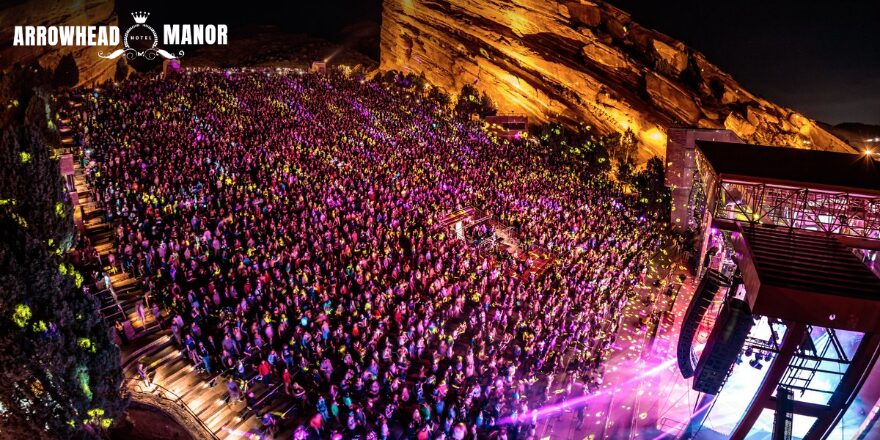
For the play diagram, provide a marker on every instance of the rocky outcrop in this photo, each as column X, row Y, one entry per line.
column 92, row 68
column 582, row 60
column 861, row 136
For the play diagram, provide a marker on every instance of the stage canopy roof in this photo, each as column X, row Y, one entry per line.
column 800, row 167
column 807, row 277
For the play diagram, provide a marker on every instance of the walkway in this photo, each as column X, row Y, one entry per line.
column 173, row 376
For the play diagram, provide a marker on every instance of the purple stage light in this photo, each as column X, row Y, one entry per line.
column 571, row 404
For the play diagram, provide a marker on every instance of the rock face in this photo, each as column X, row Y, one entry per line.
column 92, row 68
column 861, row 136
column 582, row 60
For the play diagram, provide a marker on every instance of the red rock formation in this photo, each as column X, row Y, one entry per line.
column 582, row 60
column 92, row 68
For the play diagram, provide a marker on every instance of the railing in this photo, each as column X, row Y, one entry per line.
column 134, row 385
column 670, row 427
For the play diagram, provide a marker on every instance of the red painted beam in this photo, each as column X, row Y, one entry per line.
column 790, row 342
column 833, row 311
column 848, row 388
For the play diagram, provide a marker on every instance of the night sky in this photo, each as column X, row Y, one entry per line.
column 820, row 58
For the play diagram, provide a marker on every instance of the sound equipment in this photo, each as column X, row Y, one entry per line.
column 723, row 346
column 783, row 419
column 703, row 296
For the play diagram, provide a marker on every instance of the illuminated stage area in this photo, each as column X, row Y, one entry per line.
column 782, row 333
column 751, row 370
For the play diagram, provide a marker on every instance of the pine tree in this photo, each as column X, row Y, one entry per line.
column 487, row 107
column 121, row 72
column 67, row 72
column 624, row 150
column 60, row 371
column 655, row 197
column 470, row 102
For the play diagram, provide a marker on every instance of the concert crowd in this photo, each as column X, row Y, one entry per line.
column 289, row 226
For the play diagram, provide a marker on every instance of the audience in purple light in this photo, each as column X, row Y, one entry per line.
column 289, row 225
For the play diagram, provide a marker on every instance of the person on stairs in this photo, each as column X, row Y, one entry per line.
column 108, row 284
column 234, row 391
column 142, row 373
column 141, row 314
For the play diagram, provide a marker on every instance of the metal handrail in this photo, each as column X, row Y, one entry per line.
column 177, row 399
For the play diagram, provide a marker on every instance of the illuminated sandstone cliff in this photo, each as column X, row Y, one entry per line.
column 92, row 68
column 582, row 60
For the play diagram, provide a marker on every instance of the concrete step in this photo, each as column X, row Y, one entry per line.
column 223, row 413
column 208, row 400
column 249, row 427
column 238, row 427
column 157, row 353
column 226, row 429
column 183, row 381
column 171, row 368
column 178, row 379
column 163, row 358
column 103, row 249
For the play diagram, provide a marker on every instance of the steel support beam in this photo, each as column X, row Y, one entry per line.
column 800, row 408
column 790, row 342
column 848, row 388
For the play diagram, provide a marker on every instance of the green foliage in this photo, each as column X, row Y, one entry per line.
column 22, row 315
column 121, row 72
column 654, row 196
column 39, row 326
column 46, row 363
column 623, row 148
column 624, row 172
column 437, row 95
column 576, row 146
column 471, row 102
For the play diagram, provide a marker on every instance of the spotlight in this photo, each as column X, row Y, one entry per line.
column 756, row 364
column 768, row 357
column 749, row 351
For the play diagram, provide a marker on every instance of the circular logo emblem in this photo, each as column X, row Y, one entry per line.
column 141, row 40
column 141, row 37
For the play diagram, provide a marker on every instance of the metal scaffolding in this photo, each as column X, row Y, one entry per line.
column 838, row 213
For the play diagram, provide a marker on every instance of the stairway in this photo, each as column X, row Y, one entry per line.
column 100, row 233
column 204, row 395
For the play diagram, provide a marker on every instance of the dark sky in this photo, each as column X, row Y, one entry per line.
column 322, row 18
column 821, row 58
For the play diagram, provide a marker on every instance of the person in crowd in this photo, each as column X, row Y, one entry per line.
column 143, row 373
column 234, row 390
column 296, row 220
column 119, row 331
column 141, row 313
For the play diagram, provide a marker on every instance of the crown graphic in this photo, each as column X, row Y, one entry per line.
column 140, row 17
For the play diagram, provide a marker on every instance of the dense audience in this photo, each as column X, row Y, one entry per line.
column 290, row 225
